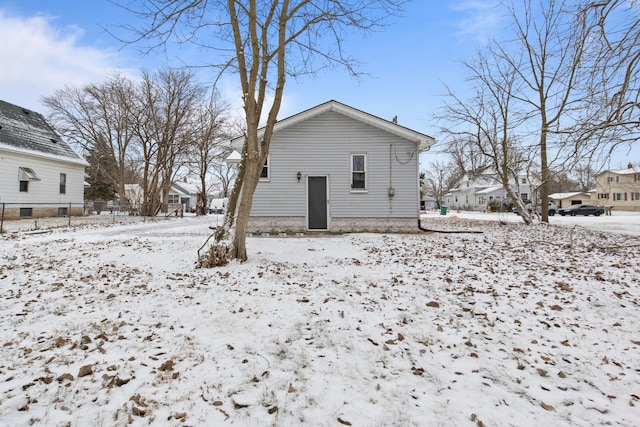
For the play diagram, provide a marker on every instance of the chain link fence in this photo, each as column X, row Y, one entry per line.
column 16, row 217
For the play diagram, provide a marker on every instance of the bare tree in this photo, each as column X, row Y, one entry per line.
column 544, row 68
column 612, row 119
column 263, row 42
column 95, row 117
column 464, row 154
column 439, row 178
column 561, row 182
column 489, row 121
column 553, row 40
column 165, row 102
column 584, row 176
column 131, row 131
column 209, row 147
column 224, row 174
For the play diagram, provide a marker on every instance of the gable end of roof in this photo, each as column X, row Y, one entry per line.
column 423, row 141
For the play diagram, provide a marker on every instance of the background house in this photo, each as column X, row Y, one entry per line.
column 183, row 194
column 619, row 189
column 40, row 174
column 477, row 190
column 335, row 168
column 564, row 200
column 428, row 203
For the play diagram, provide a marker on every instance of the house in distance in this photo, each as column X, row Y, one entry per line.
column 619, row 189
column 338, row 169
column 40, row 174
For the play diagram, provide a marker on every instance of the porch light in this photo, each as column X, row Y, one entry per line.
column 299, row 175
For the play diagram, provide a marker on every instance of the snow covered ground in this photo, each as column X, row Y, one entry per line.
column 112, row 325
column 619, row 222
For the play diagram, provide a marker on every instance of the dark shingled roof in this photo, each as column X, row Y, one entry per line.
column 27, row 130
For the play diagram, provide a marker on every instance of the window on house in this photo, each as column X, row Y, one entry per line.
column 63, row 183
column 359, row 171
column 524, row 197
column 636, row 177
column 523, row 181
column 635, row 196
column 63, row 211
column 25, row 175
column 617, row 196
column 613, row 179
column 174, row 198
column 264, row 175
column 25, row 212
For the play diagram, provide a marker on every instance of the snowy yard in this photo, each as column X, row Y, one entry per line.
column 111, row 326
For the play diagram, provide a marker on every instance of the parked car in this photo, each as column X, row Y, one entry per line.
column 553, row 209
column 585, row 210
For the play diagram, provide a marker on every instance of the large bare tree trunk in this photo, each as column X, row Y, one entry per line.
column 544, row 173
column 244, row 209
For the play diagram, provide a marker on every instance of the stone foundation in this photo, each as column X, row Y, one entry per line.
column 277, row 224
column 292, row 225
column 47, row 212
column 374, row 225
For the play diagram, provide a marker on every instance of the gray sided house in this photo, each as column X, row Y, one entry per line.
column 40, row 174
column 338, row 169
column 184, row 194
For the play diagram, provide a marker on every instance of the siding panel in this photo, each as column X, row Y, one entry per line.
column 322, row 146
column 45, row 191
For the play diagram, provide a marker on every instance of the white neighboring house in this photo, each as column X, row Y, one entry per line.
column 40, row 174
column 338, row 169
column 482, row 188
column 184, row 194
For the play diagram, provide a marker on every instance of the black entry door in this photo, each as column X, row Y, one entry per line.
column 317, row 202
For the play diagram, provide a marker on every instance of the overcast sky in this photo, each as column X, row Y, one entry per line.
column 50, row 44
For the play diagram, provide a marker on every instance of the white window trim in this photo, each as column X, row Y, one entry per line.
column 366, row 174
column 267, row 164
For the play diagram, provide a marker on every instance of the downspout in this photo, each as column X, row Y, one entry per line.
column 391, row 192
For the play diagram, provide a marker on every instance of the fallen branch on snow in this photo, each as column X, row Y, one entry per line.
column 448, row 231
